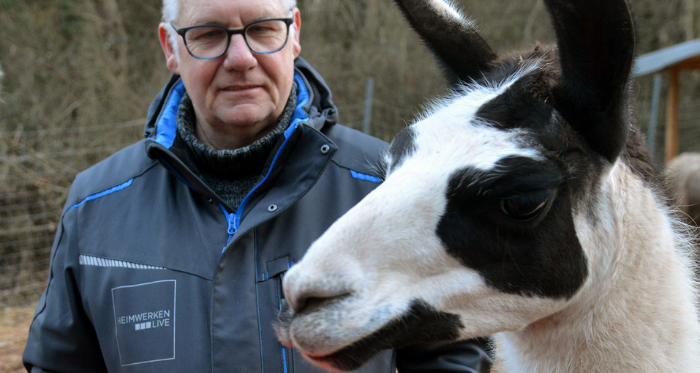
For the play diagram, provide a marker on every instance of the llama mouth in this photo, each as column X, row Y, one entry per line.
column 327, row 362
column 420, row 319
column 293, row 331
column 347, row 359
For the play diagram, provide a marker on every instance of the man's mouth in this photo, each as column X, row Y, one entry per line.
column 240, row 88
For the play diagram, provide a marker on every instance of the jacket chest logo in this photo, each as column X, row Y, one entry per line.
column 145, row 321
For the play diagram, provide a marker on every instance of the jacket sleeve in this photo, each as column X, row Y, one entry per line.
column 61, row 337
column 459, row 357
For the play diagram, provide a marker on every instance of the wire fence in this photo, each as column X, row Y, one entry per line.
column 34, row 184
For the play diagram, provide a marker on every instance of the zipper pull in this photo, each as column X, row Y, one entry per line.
column 232, row 224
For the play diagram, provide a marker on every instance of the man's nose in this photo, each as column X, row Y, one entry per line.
column 239, row 56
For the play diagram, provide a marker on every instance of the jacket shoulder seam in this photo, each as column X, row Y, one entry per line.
column 355, row 174
column 110, row 190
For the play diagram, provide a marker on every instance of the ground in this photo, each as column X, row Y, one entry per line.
column 14, row 324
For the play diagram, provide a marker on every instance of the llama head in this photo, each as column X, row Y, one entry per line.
column 473, row 230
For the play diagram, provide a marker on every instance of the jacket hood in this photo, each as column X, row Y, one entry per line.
column 314, row 105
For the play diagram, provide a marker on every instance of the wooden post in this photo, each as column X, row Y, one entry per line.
column 368, row 106
column 672, row 115
column 653, row 115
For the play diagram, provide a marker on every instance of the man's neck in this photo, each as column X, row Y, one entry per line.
column 218, row 141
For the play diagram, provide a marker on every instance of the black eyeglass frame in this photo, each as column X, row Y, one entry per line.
column 230, row 33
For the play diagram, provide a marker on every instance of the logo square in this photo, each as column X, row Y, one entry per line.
column 145, row 321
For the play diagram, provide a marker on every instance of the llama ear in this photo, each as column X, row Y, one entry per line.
column 451, row 37
column 595, row 39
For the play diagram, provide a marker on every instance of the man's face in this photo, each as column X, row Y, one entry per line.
column 238, row 96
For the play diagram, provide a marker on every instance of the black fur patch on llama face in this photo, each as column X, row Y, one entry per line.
column 532, row 255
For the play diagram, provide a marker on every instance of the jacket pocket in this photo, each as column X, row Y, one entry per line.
column 146, row 316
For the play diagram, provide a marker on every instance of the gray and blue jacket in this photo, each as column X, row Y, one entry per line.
column 152, row 272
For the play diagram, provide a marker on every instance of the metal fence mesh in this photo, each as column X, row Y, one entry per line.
column 34, row 184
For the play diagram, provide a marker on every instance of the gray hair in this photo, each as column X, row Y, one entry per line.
column 172, row 7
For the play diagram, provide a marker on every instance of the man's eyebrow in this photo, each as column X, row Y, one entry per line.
column 267, row 16
column 206, row 22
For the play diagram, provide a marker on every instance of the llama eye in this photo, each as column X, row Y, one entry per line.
column 526, row 206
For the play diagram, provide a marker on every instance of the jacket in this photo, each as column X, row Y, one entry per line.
column 152, row 272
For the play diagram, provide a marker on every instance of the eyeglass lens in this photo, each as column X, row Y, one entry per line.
column 212, row 41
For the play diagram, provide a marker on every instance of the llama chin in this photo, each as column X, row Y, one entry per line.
column 523, row 206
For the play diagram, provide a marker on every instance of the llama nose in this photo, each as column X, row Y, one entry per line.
column 303, row 292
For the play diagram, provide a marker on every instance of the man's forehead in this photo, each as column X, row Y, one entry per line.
column 223, row 10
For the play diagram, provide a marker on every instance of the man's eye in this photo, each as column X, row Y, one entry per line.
column 211, row 34
column 205, row 34
column 259, row 28
column 526, row 207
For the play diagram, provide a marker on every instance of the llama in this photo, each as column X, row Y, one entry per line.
column 523, row 206
column 683, row 178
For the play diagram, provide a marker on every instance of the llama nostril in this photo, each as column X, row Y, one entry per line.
column 316, row 295
column 302, row 302
column 312, row 303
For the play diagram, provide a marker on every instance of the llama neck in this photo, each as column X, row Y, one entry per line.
column 636, row 311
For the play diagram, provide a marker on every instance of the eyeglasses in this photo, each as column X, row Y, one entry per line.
column 211, row 42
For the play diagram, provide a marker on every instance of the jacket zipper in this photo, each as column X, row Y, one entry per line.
column 234, row 219
column 232, row 224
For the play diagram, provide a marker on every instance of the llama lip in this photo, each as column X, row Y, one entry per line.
column 315, row 357
column 324, row 361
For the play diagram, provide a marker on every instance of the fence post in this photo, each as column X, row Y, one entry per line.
column 655, row 98
column 672, row 115
column 368, row 105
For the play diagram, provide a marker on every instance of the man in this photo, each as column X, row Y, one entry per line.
column 170, row 259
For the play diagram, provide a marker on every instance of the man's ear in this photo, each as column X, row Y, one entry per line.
column 170, row 53
column 297, row 27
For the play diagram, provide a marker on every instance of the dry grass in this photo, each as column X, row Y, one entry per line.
column 73, row 95
column 14, row 325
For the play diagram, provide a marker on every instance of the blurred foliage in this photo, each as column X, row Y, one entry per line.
column 80, row 74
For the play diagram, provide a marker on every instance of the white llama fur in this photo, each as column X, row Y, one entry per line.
column 638, row 266
column 448, row 10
